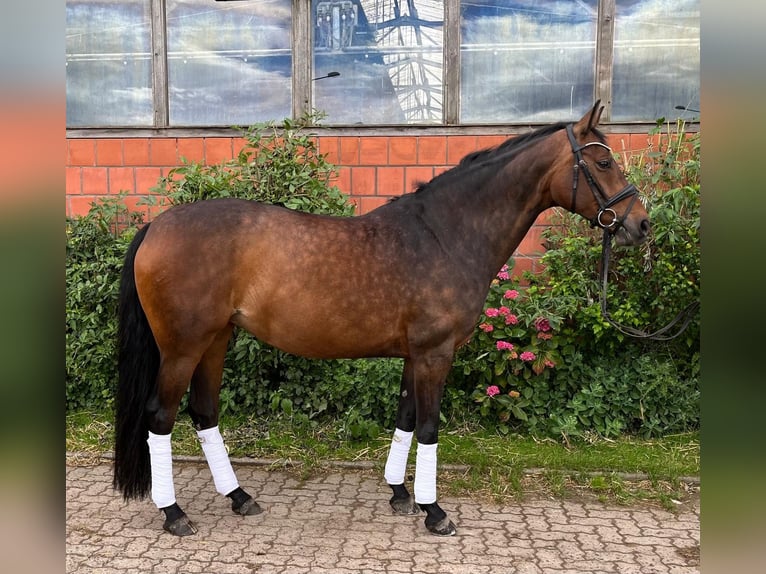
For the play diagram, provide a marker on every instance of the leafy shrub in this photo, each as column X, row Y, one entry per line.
column 542, row 359
column 95, row 250
column 582, row 375
column 279, row 165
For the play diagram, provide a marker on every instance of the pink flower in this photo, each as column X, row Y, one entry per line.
column 511, row 319
column 486, row 327
column 542, row 324
column 511, row 294
column 493, row 390
column 549, row 363
column 504, row 311
column 527, row 356
column 492, row 312
column 504, row 346
column 503, row 275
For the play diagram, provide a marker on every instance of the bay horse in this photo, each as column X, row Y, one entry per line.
column 408, row 280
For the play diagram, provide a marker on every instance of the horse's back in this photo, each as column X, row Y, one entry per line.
column 308, row 284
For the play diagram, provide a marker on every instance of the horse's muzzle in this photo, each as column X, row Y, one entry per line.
column 632, row 233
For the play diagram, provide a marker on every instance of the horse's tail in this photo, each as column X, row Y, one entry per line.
column 138, row 363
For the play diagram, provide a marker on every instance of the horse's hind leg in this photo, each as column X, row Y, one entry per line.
column 172, row 381
column 204, row 411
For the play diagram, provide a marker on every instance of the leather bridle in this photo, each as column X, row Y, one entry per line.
column 605, row 205
column 605, row 202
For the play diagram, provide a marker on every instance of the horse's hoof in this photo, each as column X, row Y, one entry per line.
column 404, row 506
column 248, row 508
column 444, row 527
column 180, row 526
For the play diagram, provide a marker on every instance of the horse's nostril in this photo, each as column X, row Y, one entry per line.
column 645, row 226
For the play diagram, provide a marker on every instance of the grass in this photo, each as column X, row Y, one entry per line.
column 473, row 461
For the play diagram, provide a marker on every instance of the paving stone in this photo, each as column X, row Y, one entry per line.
column 340, row 523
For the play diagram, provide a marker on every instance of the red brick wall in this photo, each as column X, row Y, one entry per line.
column 372, row 169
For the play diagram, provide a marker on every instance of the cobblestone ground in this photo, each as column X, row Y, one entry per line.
column 340, row 522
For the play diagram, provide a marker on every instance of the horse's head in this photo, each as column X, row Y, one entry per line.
column 589, row 182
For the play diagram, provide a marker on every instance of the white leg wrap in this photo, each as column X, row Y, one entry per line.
column 160, row 455
column 218, row 460
column 425, row 474
column 396, row 465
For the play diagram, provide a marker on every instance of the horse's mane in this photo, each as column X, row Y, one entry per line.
column 505, row 152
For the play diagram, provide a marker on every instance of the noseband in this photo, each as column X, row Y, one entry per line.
column 605, row 202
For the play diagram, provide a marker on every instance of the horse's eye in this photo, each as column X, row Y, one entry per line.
column 604, row 163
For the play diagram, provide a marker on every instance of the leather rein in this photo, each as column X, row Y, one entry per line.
column 682, row 320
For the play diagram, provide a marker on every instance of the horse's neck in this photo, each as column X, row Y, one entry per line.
column 486, row 218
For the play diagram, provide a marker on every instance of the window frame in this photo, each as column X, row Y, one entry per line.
column 302, row 96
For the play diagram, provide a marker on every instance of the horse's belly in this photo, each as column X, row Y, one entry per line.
column 325, row 336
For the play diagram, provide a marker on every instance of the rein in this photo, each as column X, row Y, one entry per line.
column 681, row 320
column 605, row 204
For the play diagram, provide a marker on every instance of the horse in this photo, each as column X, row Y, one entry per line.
column 408, row 280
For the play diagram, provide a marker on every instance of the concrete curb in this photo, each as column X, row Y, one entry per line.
column 371, row 465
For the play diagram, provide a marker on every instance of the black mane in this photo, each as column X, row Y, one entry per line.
column 502, row 152
column 508, row 147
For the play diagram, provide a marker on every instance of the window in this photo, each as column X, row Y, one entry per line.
column 525, row 60
column 218, row 63
column 389, row 55
column 228, row 63
column 108, row 63
column 656, row 59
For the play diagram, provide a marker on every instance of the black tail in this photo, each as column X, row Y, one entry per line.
column 138, row 363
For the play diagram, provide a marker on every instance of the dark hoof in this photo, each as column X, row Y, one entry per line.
column 444, row 527
column 180, row 526
column 405, row 506
column 248, row 508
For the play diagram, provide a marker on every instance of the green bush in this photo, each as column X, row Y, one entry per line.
column 279, row 164
column 542, row 359
column 582, row 375
column 95, row 250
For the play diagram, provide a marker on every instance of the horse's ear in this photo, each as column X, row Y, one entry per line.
column 590, row 119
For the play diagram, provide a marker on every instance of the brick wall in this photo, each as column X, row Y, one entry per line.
column 372, row 169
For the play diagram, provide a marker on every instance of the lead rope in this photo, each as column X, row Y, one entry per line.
column 683, row 318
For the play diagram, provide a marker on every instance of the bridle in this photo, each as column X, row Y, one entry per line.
column 605, row 204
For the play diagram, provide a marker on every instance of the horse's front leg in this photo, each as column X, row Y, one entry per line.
column 430, row 376
column 402, row 502
column 424, row 377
